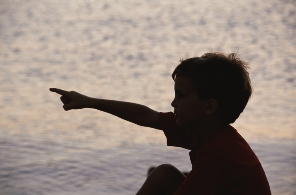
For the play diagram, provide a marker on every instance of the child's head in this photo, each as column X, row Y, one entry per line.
column 219, row 77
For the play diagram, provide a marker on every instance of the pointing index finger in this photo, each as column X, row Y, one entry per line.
column 59, row 91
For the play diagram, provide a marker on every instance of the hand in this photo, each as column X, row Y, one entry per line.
column 71, row 99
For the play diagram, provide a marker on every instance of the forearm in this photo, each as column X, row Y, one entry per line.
column 135, row 113
column 132, row 112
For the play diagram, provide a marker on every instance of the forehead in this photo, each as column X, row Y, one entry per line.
column 184, row 84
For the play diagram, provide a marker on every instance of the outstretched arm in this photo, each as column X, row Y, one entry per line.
column 135, row 113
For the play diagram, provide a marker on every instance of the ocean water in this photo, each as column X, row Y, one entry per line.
column 126, row 50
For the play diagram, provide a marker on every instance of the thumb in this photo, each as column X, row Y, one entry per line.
column 68, row 106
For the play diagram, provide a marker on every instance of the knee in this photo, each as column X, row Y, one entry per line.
column 167, row 177
column 164, row 179
column 163, row 167
column 167, row 168
column 167, row 171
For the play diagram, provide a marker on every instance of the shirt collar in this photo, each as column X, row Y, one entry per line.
column 196, row 146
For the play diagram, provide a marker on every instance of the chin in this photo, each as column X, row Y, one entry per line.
column 180, row 122
column 186, row 122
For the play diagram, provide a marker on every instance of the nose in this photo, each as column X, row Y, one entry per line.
column 173, row 104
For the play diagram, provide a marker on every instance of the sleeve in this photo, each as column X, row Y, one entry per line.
column 175, row 137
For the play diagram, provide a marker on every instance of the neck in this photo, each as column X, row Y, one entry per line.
column 203, row 132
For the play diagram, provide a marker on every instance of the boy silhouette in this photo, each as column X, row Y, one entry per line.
column 211, row 92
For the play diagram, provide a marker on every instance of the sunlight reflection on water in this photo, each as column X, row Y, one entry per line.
column 126, row 50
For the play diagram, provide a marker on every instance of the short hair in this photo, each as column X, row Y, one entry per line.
column 223, row 78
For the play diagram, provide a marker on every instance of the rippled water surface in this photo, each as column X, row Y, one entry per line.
column 126, row 50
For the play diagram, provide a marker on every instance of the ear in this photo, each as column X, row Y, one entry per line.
column 211, row 107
